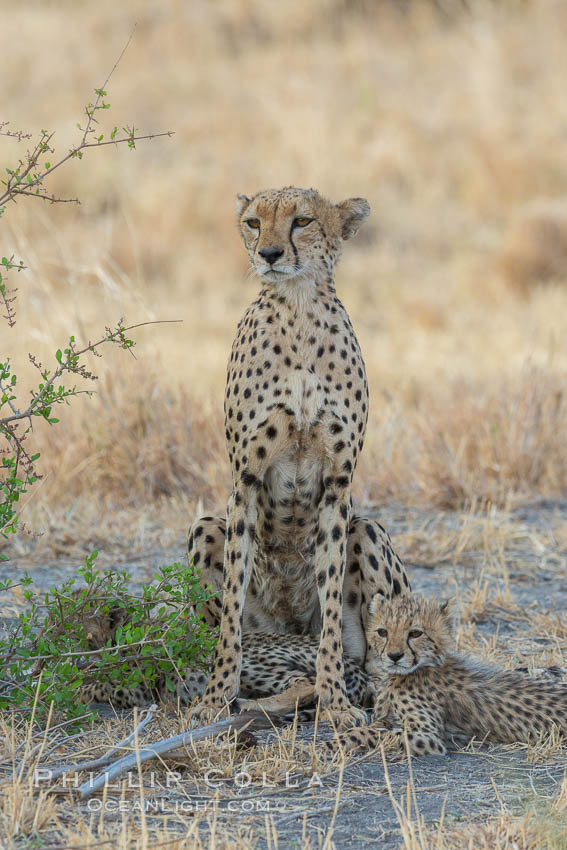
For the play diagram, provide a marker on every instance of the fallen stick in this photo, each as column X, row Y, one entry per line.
column 93, row 764
column 301, row 693
column 160, row 748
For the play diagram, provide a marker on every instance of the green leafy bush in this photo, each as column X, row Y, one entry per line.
column 104, row 632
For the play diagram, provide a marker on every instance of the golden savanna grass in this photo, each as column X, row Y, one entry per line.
column 542, row 828
column 451, row 123
column 450, row 118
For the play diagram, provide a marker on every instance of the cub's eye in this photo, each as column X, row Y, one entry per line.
column 382, row 632
column 302, row 221
column 254, row 223
column 415, row 633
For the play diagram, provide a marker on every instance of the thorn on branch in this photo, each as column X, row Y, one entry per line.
column 13, row 134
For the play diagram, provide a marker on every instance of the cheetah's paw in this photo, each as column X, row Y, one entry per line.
column 209, row 711
column 344, row 718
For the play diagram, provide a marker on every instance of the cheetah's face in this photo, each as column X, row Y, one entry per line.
column 407, row 633
column 293, row 234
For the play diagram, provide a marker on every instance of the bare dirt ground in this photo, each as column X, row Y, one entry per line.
column 508, row 571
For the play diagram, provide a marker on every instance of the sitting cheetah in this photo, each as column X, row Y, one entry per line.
column 294, row 557
column 430, row 690
column 269, row 667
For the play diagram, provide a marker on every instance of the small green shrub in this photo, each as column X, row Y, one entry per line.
column 154, row 635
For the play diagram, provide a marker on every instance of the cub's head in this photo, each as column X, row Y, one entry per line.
column 405, row 634
column 296, row 233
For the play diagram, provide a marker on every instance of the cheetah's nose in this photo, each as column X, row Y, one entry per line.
column 395, row 656
column 271, row 254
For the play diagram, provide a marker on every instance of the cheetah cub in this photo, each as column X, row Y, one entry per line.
column 430, row 690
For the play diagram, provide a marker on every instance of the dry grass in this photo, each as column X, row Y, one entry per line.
column 451, row 127
column 503, row 833
column 542, row 828
column 470, row 443
column 488, row 536
column 195, row 798
column 139, row 449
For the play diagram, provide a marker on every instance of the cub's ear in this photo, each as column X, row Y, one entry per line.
column 448, row 610
column 447, row 606
column 376, row 604
column 353, row 212
column 242, row 202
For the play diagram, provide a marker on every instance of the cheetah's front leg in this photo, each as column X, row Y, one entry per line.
column 330, row 560
column 423, row 734
column 224, row 680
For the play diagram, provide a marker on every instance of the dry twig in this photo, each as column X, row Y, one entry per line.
column 160, row 748
column 93, row 764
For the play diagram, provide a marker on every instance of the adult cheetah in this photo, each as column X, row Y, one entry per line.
column 296, row 406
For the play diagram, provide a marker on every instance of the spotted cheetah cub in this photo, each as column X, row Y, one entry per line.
column 430, row 690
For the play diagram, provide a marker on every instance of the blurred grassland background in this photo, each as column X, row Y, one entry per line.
column 450, row 117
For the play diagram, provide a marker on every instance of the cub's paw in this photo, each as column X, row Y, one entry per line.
column 240, row 705
column 369, row 738
column 343, row 742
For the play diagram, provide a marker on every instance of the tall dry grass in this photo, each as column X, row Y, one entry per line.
column 499, row 445
column 453, row 127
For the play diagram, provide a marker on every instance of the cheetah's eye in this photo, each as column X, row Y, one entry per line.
column 415, row 633
column 254, row 223
column 382, row 632
column 302, row 221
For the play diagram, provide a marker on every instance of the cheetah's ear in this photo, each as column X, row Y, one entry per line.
column 448, row 610
column 375, row 604
column 353, row 213
column 447, row 606
column 242, row 202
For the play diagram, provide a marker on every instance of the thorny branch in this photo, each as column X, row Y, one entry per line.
column 27, row 179
column 23, row 180
column 70, row 364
